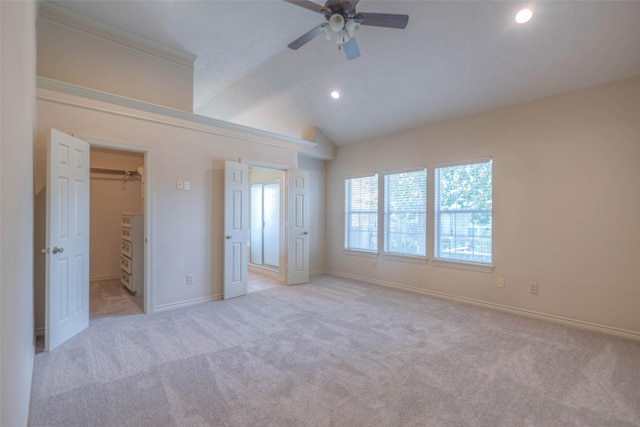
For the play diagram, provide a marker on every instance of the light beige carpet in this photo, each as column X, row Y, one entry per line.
column 336, row 352
column 109, row 297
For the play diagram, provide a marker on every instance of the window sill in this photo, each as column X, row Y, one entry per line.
column 365, row 254
column 405, row 258
column 463, row 265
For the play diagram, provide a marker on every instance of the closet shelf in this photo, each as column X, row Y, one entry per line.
column 116, row 172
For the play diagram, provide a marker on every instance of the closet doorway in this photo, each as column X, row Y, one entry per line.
column 117, row 224
column 266, row 228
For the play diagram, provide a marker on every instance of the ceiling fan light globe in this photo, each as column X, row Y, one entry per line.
column 327, row 32
column 352, row 27
column 336, row 22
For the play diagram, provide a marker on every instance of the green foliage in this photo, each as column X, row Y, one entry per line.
column 467, row 187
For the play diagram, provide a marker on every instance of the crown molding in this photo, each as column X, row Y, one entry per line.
column 63, row 16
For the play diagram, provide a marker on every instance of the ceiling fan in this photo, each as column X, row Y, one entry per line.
column 344, row 22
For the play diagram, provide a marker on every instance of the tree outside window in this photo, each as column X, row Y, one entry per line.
column 463, row 212
column 405, row 213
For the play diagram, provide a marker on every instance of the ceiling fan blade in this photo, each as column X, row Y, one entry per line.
column 309, row 5
column 351, row 49
column 388, row 20
column 306, row 38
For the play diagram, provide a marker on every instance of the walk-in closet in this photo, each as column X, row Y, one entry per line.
column 117, row 232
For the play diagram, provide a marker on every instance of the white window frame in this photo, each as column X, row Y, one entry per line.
column 437, row 213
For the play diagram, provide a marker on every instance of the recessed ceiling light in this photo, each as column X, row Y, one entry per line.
column 335, row 94
column 524, row 16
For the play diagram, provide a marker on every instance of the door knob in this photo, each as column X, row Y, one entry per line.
column 227, row 237
column 57, row 250
column 305, row 233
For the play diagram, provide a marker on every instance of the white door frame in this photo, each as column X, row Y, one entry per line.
column 283, row 168
column 284, row 207
column 149, row 203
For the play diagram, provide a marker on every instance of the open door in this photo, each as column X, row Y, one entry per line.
column 236, row 228
column 67, row 239
column 297, row 227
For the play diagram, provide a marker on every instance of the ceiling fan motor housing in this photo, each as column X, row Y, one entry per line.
column 336, row 22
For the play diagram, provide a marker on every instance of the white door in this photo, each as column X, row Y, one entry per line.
column 297, row 227
column 67, row 265
column 236, row 228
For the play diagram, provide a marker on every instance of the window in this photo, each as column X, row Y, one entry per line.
column 463, row 219
column 405, row 213
column 361, row 213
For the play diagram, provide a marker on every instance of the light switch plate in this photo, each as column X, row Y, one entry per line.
column 187, row 185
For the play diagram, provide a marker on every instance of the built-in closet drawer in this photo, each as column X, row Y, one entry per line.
column 125, row 278
column 126, row 234
column 132, row 252
column 125, row 264
column 125, row 248
column 125, row 221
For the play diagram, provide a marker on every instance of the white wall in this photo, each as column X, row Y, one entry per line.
column 187, row 234
column 566, row 204
column 85, row 59
column 109, row 199
column 17, row 76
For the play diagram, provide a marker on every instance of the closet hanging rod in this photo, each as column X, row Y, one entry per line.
column 114, row 171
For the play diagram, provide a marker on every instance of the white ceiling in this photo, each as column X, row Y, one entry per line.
column 455, row 58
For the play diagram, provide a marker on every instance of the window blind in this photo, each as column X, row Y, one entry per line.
column 405, row 213
column 361, row 213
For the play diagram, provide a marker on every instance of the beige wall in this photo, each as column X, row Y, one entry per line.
column 84, row 59
column 110, row 197
column 566, row 204
column 187, row 226
column 17, row 79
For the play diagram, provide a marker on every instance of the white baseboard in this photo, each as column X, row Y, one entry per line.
column 99, row 278
column 171, row 306
column 510, row 309
column 318, row 273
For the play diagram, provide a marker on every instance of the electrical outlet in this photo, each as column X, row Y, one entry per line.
column 501, row 282
column 179, row 185
column 533, row 288
column 189, row 279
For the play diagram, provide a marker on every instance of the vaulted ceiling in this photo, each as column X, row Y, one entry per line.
column 455, row 58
